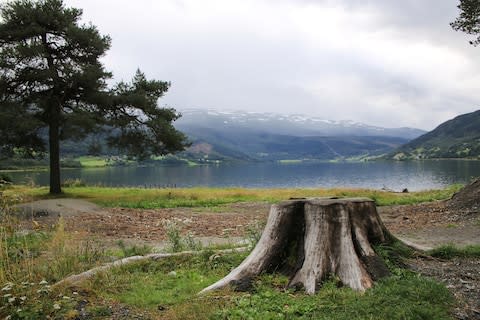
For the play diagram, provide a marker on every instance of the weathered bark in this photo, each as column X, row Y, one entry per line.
column 54, row 120
column 312, row 239
column 54, row 148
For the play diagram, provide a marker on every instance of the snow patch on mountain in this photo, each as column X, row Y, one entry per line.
column 285, row 124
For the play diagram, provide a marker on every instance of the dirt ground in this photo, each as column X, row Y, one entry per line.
column 425, row 225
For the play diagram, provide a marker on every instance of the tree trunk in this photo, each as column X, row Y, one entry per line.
column 310, row 240
column 54, row 148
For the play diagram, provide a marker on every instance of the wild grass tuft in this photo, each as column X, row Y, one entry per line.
column 134, row 250
column 177, row 242
column 451, row 251
column 254, row 232
column 30, row 261
column 394, row 254
column 73, row 183
column 34, row 300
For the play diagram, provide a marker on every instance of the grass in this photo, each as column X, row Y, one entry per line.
column 31, row 261
column 213, row 197
column 169, row 281
column 167, row 288
column 49, row 256
column 68, row 162
column 92, row 162
column 290, row 161
column 450, row 251
column 134, row 250
column 408, row 297
column 171, row 285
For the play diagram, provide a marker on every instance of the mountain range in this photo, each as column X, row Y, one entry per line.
column 239, row 135
column 252, row 136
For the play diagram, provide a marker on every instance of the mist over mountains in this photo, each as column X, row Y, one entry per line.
column 296, row 125
column 268, row 136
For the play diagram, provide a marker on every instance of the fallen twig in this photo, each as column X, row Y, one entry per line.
column 153, row 256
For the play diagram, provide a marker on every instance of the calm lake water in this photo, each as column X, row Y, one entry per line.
column 414, row 175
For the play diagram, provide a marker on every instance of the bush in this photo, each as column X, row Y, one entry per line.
column 5, row 179
column 74, row 183
column 176, row 242
column 128, row 251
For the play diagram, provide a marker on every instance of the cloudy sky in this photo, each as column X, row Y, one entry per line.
column 383, row 62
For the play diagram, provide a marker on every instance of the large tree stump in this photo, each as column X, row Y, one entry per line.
column 312, row 239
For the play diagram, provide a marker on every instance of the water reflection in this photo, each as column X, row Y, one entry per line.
column 414, row 175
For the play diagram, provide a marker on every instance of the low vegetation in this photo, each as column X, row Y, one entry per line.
column 167, row 289
column 451, row 251
column 31, row 262
column 212, row 197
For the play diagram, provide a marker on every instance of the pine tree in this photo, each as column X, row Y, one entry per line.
column 51, row 79
column 469, row 19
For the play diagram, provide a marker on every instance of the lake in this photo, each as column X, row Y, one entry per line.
column 414, row 175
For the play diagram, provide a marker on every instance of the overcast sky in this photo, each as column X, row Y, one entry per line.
column 382, row 62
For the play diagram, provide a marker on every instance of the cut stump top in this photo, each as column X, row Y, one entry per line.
column 326, row 201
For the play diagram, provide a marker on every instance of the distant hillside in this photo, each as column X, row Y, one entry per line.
column 455, row 138
column 267, row 136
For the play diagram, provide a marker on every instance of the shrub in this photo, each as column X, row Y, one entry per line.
column 73, row 183
column 5, row 179
column 128, row 251
column 450, row 251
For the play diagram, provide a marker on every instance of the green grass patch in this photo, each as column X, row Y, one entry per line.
column 290, row 161
column 164, row 283
column 394, row 255
column 92, row 162
column 171, row 285
column 214, row 197
column 450, row 251
column 132, row 250
column 409, row 297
